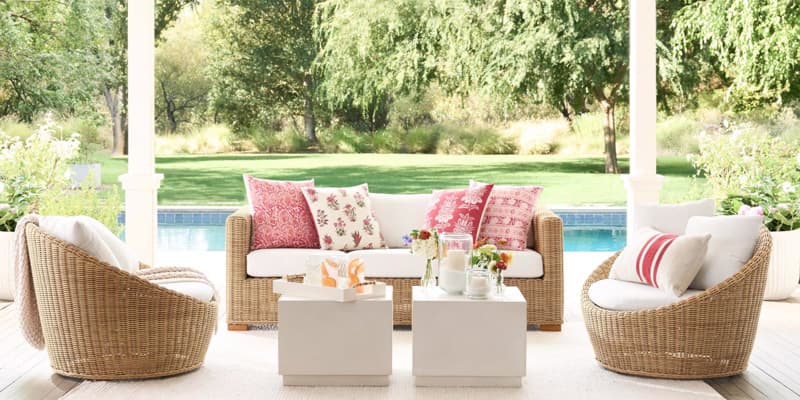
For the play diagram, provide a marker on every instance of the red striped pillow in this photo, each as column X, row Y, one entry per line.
column 663, row 260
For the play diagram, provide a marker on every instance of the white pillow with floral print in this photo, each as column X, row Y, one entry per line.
column 344, row 218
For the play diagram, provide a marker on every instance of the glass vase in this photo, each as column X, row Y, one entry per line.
column 428, row 280
column 498, row 287
column 478, row 283
column 456, row 249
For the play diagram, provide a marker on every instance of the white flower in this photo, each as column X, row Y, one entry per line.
column 787, row 187
column 742, row 179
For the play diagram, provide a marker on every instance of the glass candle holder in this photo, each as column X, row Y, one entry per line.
column 455, row 254
column 477, row 283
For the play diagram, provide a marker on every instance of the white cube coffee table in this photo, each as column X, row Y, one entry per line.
column 463, row 342
column 330, row 343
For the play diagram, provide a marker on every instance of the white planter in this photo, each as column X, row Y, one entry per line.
column 81, row 172
column 7, row 278
column 784, row 265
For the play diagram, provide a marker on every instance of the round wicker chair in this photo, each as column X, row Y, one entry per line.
column 100, row 322
column 709, row 335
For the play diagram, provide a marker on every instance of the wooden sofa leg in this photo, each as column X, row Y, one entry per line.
column 550, row 328
column 237, row 327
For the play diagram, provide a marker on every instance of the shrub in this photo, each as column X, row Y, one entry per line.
column 103, row 206
column 678, row 135
column 538, row 137
column 282, row 141
column 342, row 140
column 386, row 141
column 210, row 139
column 422, row 139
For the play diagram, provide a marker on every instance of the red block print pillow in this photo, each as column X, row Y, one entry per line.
column 281, row 217
column 458, row 210
column 663, row 260
column 509, row 214
column 344, row 218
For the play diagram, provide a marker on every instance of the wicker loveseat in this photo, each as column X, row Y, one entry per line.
column 708, row 335
column 250, row 299
column 100, row 322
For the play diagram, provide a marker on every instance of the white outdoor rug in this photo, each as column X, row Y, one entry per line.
column 243, row 365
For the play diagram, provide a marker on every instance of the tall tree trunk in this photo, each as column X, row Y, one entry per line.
column 309, row 121
column 610, row 135
column 113, row 104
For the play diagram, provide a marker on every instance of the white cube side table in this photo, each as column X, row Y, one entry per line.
column 330, row 343
column 463, row 342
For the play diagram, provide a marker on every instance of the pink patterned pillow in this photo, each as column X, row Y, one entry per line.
column 508, row 215
column 458, row 210
column 281, row 217
column 344, row 218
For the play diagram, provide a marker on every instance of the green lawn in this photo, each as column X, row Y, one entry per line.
column 217, row 179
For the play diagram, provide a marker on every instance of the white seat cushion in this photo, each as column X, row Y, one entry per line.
column 399, row 214
column 380, row 263
column 122, row 252
column 616, row 295
column 733, row 239
column 199, row 290
column 271, row 263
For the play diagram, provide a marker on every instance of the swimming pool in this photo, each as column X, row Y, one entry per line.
column 204, row 230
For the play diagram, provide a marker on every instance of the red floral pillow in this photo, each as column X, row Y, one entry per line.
column 508, row 215
column 458, row 210
column 281, row 217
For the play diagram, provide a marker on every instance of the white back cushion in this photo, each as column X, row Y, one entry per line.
column 81, row 234
column 671, row 218
column 733, row 239
column 399, row 214
column 92, row 237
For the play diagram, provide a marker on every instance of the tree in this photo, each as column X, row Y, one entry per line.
column 181, row 83
column 561, row 52
column 752, row 45
column 115, row 47
column 262, row 62
column 46, row 52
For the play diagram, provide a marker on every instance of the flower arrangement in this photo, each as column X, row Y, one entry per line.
column 753, row 173
column 779, row 204
column 425, row 243
column 486, row 255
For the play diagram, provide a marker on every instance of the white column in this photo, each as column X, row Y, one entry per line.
column 141, row 183
column 643, row 184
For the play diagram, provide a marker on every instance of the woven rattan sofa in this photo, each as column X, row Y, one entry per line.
column 708, row 335
column 100, row 322
column 250, row 300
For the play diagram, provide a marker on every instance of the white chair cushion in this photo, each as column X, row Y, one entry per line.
column 199, row 290
column 383, row 263
column 671, row 218
column 733, row 240
column 81, row 234
column 399, row 214
column 271, row 263
column 616, row 295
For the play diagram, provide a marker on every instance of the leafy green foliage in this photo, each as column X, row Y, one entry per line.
column 750, row 44
column 103, row 206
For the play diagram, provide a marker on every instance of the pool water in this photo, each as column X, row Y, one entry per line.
column 212, row 238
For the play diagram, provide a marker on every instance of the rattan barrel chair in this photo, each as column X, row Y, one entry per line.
column 100, row 322
column 708, row 335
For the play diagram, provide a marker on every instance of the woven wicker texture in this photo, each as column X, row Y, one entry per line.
column 103, row 323
column 704, row 336
column 251, row 301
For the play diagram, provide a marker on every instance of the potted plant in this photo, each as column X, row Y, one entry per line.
column 754, row 173
column 28, row 169
column 83, row 167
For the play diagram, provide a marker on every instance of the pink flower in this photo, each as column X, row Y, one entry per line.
column 743, row 210
column 757, row 211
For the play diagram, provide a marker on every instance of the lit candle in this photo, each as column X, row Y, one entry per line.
column 456, row 259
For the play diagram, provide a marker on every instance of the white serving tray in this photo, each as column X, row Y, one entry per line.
column 295, row 289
